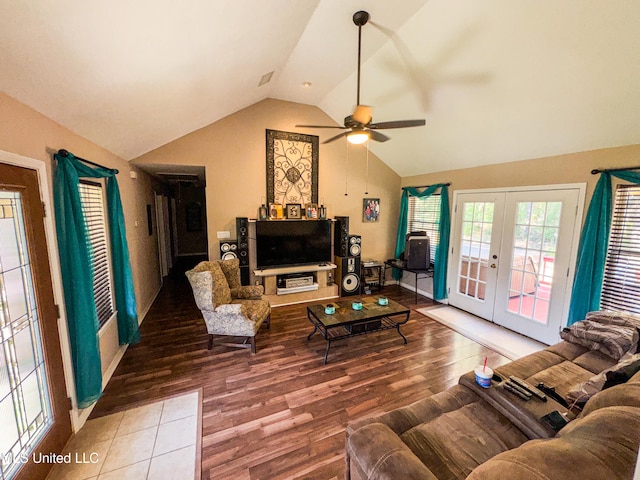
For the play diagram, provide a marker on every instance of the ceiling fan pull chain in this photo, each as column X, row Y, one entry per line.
column 346, row 174
column 366, row 174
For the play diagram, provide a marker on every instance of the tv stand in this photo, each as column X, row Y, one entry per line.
column 323, row 278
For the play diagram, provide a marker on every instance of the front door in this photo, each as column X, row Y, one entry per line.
column 34, row 410
column 511, row 256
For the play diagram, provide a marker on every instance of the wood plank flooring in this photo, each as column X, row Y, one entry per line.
column 281, row 413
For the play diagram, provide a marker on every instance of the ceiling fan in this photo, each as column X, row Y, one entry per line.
column 359, row 125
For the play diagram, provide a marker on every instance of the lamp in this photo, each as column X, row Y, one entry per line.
column 358, row 136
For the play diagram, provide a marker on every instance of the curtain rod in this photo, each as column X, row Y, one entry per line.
column 65, row 153
column 603, row 170
column 448, row 184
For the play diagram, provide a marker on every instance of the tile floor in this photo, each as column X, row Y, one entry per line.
column 510, row 344
column 158, row 441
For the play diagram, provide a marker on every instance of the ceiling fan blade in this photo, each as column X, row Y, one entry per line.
column 343, row 134
column 398, row 124
column 362, row 115
column 377, row 136
column 320, row 126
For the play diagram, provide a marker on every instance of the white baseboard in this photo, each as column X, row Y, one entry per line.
column 82, row 415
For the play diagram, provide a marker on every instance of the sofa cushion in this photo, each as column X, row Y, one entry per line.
column 381, row 455
column 402, row 419
column 598, row 446
column 455, row 443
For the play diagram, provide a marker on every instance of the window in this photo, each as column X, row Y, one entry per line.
column 424, row 215
column 94, row 211
column 621, row 285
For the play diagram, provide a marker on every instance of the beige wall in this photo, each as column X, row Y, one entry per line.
column 28, row 133
column 233, row 150
column 570, row 168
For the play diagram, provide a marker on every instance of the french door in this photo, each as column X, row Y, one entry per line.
column 34, row 411
column 511, row 256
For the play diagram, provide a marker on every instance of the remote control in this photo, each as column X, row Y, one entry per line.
column 509, row 388
column 517, row 387
column 531, row 388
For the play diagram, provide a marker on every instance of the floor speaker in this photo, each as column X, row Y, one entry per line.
column 242, row 233
column 348, row 275
column 228, row 250
column 341, row 237
column 355, row 245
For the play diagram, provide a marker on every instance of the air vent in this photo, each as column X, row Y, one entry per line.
column 266, row 78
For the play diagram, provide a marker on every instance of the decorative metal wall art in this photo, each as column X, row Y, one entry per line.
column 292, row 168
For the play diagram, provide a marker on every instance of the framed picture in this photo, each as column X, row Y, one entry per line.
column 275, row 211
column 370, row 210
column 292, row 168
column 294, row 210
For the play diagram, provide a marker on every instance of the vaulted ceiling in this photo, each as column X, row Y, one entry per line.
column 496, row 80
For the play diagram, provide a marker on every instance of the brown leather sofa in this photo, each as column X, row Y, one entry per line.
column 481, row 434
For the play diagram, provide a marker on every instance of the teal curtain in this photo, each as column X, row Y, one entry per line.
column 592, row 251
column 440, row 262
column 77, row 277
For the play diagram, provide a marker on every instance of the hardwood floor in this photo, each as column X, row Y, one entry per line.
column 281, row 413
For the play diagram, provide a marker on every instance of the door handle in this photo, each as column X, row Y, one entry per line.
column 493, row 265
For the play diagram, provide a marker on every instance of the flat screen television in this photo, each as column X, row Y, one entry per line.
column 281, row 243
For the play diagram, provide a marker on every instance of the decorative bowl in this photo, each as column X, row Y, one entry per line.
column 383, row 301
column 356, row 305
column 330, row 309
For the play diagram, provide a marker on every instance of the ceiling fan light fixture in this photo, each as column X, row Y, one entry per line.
column 358, row 137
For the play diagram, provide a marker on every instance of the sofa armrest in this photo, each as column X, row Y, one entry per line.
column 247, row 292
column 379, row 454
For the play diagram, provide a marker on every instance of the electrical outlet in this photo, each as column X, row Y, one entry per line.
column 226, row 234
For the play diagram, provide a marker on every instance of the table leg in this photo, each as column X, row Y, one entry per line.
column 315, row 329
column 398, row 328
column 326, row 351
column 416, row 274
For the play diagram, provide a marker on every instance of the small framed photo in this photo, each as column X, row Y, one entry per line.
column 275, row 211
column 294, row 210
column 370, row 210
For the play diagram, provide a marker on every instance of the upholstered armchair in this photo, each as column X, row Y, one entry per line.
column 228, row 308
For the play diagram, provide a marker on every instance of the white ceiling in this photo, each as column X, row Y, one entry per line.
column 496, row 80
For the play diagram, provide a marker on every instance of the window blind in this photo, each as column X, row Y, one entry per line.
column 621, row 285
column 424, row 215
column 94, row 211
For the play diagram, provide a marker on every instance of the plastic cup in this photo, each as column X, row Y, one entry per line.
column 483, row 376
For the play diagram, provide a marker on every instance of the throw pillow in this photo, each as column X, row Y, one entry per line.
column 221, row 292
column 620, row 373
column 609, row 317
column 610, row 339
column 231, row 270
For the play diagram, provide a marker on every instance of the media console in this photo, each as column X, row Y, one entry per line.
column 320, row 287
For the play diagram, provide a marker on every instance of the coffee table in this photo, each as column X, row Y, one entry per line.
column 347, row 322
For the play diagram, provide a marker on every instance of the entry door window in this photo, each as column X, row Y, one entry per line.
column 533, row 257
column 25, row 408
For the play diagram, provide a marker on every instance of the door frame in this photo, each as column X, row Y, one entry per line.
column 581, row 187
column 46, row 196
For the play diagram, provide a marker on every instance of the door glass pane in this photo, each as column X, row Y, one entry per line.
column 475, row 243
column 25, row 407
column 532, row 259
